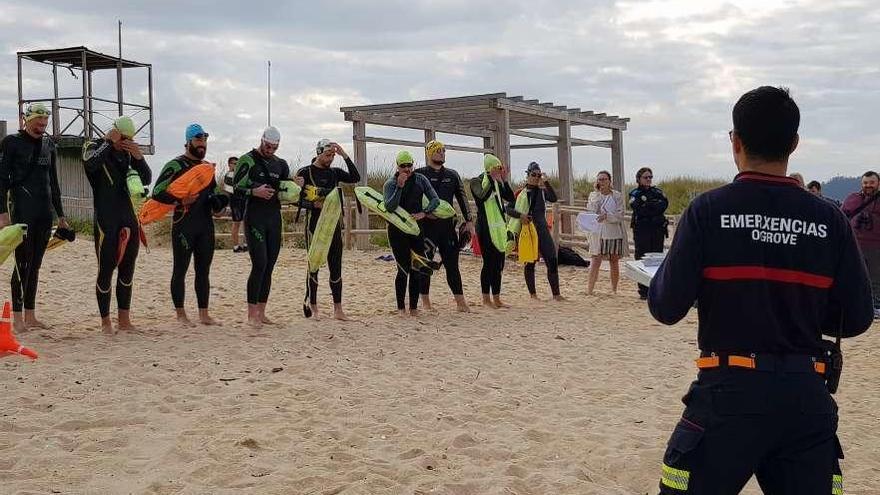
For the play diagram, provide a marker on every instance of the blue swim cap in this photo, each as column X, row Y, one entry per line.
column 194, row 130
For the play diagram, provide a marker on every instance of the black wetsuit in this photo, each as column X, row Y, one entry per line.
column 493, row 259
column 407, row 247
column 192, row 231
column 448, row 185
column 29, row 192
column 538, row 200
column 325, row 179
column 262, row 219
column 107, row 170
column 649, row 224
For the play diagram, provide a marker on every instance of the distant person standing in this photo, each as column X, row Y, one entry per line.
column 649, row 224
column 610, row 241
column 798, row 177
column 863, row 211
column 236, row 203
column 490, row 190
column 539, row 192
column 815, row 188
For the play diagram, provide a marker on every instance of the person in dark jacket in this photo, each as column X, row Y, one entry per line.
column 405, row 189
column 649, row 224
column 863, row 210
column 29, row 193
column 441, row 231
column 772, row 269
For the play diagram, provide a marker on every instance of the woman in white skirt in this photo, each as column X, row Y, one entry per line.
column 610, row 240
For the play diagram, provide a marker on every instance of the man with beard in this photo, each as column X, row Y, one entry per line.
column 258, row 178
column 317, row 180
column 441, row 232
column 107, row 163
column 863, row 211
column 29, row 192
column 192, row 230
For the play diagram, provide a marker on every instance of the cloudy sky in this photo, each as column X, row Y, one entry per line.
column 675, row 67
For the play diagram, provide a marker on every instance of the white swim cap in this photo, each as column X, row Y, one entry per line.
column 271, row 135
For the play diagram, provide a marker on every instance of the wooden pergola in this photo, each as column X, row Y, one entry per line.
column 494, row 118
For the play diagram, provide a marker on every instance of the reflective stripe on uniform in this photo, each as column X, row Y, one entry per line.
column 675, row 478
column 837, row 484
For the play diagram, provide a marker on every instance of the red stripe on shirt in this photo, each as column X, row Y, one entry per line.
column 770, row 274
column 755, row 176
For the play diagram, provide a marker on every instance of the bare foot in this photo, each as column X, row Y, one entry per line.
column 107, row 326
column 401, row 313
column 426, row 303
column 18, row 326
column 208, row 321
column 414, row 313
column 534, row 296
column 255, row 323
column 266, row 321
column 559, row 298
column 499, row 304
column 463, row 308
column 35, row 323
column 126, row 327
column 340, row 315
column 488, row 302
column 184, row 321
column 462, row 304
column 315, row 314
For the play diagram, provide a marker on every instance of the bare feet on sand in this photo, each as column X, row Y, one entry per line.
column 338, row 313
column 426, row 303
column 462, row 304
column 107, row 326
column 205, row 318
column 499, row 304
column 559, row 298
column 487, row 301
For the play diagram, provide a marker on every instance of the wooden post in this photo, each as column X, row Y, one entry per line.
column 563, row 160
column 150, row 95
column 56, row 122
column 617, row 159
column 430, row 135
column 87, row 121
column 2, row 129
column 502, row 135
column 360, row 161
column 20, row 105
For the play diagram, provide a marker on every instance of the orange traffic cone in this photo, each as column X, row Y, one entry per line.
column 8, row 344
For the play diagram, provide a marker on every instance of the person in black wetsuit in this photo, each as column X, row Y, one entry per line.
column 192, row 231
column 442, row 232
column 107, row 164
column 483, row 190
column 540, row 193
column 258, row 178
column 319, row 179
column 405, row 189
column 29, row 192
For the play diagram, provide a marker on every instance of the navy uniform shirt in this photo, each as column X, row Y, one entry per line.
column 771, row 267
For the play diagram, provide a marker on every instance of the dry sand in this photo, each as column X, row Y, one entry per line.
column 543, row 398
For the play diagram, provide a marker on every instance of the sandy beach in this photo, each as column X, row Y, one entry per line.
column 543, row 398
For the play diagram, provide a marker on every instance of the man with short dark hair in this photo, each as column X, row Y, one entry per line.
column 863, row 210
column 29, row 193
column 649, row 224
column 236, row 203
column 772, row 269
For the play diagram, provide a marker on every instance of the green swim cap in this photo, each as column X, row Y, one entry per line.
column 404, row 157
column 490, row 162
column 125, row 126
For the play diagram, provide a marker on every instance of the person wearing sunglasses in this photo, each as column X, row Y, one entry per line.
column 491, row 189
column 540, row 192
column 29, row 193
column 108, row 162
column 406, row 189
column 192, row 227
column 649, row 223
column 258, row 178
column 318, row 179
column 442, row 231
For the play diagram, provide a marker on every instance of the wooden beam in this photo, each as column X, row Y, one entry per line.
column 534, row 135
column 415, row 124
column 423, row 103
column 417, row 144
column 553, row 113
column 532, row 146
